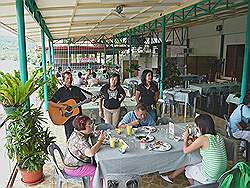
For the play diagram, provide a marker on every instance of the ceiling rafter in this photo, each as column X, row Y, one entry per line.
column 108, row 5
column 107, row 22
column 79, row 18
column 7, row 4
column 73, row 14
column 141, row 12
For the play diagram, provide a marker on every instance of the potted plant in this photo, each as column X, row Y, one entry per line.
column 13, row 93
column 27, row 141
column 172, row 76
column 133, row 69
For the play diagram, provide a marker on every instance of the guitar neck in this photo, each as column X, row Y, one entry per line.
column 93, row 98
column 81, row 103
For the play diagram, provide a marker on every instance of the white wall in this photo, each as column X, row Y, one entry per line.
column 205, row 40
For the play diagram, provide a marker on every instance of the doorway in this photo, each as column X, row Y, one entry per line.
column 234, row 61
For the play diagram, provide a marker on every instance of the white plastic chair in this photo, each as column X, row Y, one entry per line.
column 60, row 174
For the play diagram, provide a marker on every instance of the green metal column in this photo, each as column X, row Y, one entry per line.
column 68, row 54
column 113, row 51
column 21, row 43
column 130, row 53
column 163, row 53
column 44, row 71
column 244, row 81
column 50, row 60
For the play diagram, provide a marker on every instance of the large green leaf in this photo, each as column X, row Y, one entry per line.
column 14, row 92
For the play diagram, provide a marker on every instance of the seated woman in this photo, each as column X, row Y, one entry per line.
column 79, row 80
column 240, row 121
column 79, row 151
column 93, row 81
column 212, row 150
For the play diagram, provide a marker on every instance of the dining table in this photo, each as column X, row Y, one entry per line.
column 187, row 96
column 205, row 88
column 141, row 161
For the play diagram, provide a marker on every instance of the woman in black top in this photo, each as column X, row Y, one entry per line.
column 148, row 93
column 113, row 95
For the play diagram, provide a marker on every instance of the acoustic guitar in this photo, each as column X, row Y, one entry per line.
column 59, row 116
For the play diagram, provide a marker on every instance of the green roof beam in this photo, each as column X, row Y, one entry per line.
column 186, row 14
column 35, row 12
column 245, row 71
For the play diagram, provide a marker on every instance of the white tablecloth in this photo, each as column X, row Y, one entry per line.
column 142, row 161
column 204, row 87
column 186, row 96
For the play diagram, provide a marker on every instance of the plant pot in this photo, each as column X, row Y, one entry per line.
column 32, row 178
column 9, row 109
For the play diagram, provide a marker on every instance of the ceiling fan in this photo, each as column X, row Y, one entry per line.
column 119, row 11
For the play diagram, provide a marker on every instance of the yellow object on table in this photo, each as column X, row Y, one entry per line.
column 112, row 142
column 118, row 130
column 129, row 130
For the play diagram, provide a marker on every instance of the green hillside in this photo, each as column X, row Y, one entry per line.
column 9, row 49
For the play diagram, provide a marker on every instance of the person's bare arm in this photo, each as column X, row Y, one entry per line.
column 137, row 96
column 133, row 123
column 90, row 152
column 157, row 96
column 198, row 143
column 100, row 107
column 122, row 98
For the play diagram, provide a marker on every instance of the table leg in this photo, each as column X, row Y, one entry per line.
column 163, row 109
column 185, row 111
column 194, row 106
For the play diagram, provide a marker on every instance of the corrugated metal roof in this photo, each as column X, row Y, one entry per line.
column 91, row 18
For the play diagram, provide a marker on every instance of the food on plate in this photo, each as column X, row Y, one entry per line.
column 149, row 128
column 157, row 144
column 145, row 138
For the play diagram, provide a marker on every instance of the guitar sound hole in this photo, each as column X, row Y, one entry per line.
column 67, row 114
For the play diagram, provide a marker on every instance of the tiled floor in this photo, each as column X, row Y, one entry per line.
column 148, row 181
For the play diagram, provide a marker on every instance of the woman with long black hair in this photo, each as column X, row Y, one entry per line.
column 148, row 93
column 113, row 95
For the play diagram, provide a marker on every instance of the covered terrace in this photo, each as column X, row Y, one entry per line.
column 114, row 31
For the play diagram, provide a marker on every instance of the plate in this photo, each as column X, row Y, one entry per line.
column 144, row 137
column 160, row 146
column 149, row 129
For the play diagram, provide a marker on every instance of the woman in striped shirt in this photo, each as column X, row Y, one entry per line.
column 212, row 150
